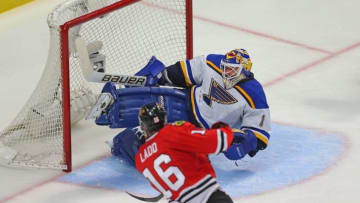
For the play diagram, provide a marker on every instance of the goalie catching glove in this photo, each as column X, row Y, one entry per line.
column 219, row 124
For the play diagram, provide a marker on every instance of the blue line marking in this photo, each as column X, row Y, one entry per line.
column 293, row 154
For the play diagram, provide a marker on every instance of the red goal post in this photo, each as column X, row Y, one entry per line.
column 131, row 31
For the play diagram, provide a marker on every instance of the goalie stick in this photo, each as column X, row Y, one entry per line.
column 99, row 77
column 146, row 199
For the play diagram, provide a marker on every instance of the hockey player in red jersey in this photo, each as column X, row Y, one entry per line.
column 174, row 157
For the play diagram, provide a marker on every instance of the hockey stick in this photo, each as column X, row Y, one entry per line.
column 94, row 76
column 146, row 199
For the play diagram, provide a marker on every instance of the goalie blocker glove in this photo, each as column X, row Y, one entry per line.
column 152, row 71
column 244, row 142
column 219, row 125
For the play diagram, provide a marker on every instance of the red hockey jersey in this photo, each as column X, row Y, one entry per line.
column 175, row 160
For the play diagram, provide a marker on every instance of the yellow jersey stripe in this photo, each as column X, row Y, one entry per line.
column 192, row 93
column 247, row 97
column 186, row 74
column 261, row 137
column 242, row 91
column 256, row 133
column 235, row 130
column 214, row 67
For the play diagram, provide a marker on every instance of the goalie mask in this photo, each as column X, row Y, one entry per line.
column 152, row 117
column 235, row 66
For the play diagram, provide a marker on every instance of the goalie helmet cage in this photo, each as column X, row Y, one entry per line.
column 131, row 31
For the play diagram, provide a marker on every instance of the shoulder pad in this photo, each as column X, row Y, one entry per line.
column 254, row 93
column 213, row 61
column 215, row 58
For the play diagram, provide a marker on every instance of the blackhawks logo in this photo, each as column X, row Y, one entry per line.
column 178, row 123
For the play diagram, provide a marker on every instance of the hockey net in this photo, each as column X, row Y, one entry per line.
column 131, row 31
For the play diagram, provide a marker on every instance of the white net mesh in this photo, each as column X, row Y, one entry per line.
column 130, row 36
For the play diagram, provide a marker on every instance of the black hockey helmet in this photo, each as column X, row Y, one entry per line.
column 152, row 117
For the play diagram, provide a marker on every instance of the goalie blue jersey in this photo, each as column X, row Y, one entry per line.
column 243, row 106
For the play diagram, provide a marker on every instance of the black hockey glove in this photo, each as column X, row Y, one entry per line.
column 219, row 124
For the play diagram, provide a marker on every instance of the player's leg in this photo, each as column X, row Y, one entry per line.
column 219, row 196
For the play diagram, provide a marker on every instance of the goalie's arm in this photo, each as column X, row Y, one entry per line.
column 157, row 74
column 186, row 73
column 173, row 75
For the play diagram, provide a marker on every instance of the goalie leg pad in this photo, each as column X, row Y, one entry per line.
column 126, row 145
column 175, row 102
column 124, row 111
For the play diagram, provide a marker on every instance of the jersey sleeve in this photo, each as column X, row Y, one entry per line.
column 188, row 72
column 258, row 121
column 256, row 114
column 190, row 138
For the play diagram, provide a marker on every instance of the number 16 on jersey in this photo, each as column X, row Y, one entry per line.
column 165, row 175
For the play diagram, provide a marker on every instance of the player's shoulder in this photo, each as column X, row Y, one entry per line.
column 214, row 58
column 174, row 128
column 253, row 92
column 178, row 126
column 213, row 62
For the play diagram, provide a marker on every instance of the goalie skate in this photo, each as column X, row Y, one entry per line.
column 101, row 105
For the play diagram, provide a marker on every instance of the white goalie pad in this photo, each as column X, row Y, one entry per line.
column 88, row 6
column 89, row 68
column 84, row 51
column 105, row 100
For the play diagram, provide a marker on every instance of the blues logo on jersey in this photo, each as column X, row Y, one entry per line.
column 218, row 94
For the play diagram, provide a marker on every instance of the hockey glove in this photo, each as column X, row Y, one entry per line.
column 152, row 71
column 98, row 61
column 96, row 58
column 219, row 124
column 243, row 143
